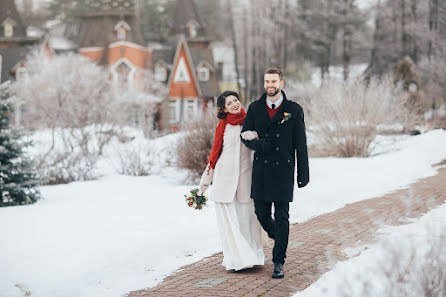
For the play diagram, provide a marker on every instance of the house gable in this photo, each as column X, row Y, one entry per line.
column 183, row 82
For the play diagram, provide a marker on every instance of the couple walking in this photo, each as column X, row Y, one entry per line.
column 245, row 186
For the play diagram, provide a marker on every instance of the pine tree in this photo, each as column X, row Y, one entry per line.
column 17, row 180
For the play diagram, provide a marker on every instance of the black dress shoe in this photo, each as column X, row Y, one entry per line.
column 278, row 270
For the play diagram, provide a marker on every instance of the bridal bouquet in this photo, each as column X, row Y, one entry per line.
column 194, row 200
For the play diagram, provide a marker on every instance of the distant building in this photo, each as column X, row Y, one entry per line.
column 110, row 33
column 186, row 65
column 181, row 72
column 14, row 42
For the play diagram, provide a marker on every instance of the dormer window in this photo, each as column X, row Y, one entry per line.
column 203, row 73
column 160, row 73
column 121, row 34
column 192, row 29
column 8, row 27
column 122, row 29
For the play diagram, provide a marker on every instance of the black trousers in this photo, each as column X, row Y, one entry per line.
column 277, row 228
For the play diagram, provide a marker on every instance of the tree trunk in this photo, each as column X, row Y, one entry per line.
column 346, row 38
column 404, row 34
column 247, row 93
column 234, row 45
column 414, row 35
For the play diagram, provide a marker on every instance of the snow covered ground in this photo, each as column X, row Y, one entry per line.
column 120, row 233
column 382, row 269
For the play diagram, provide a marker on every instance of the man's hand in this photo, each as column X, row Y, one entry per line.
column 263, row 145
column 301, row 184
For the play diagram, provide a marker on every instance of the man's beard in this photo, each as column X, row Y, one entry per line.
column 273, row 93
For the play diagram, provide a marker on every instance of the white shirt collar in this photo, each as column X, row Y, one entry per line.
column 277, row 103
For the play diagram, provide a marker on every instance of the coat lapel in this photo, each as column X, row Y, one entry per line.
column 279, row 114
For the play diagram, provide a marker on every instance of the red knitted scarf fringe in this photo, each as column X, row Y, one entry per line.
column 233, row 119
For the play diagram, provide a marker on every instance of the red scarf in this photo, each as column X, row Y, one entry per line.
column 233, row 119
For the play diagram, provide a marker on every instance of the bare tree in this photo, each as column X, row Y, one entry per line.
column 72, row 97
column 234, row 45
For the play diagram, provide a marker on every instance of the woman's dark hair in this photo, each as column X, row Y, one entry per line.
column 221, row 100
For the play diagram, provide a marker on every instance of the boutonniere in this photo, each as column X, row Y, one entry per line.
column 286, row 117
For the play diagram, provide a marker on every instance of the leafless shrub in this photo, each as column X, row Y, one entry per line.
column 71, row 154
column 69, row 158
column 136, row 160
column 62, row 167
column 346, row 117
column 194, row 146
column 415, row 266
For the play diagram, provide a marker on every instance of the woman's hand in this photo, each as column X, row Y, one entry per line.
column 206, row 179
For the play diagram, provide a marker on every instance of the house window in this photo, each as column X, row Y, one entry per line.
column 181, row 74
column 121, row 33
column 8, row 29
column 160, row 73
column 121, row 29
column 203, row 74
column 123, row 80
column 190, row 110
column 173, row 112
column 192, row 31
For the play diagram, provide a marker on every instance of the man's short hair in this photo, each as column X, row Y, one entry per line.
column 273, row 70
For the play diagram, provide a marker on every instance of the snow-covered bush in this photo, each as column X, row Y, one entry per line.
column 136, row 160
column 68, row 154
column 65, row 166
column 194, row 146
column 406, row 266
column 346, row 117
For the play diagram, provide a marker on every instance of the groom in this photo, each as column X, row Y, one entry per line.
column 275, row 129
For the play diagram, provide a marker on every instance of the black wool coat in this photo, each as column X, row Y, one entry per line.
column 281, row 141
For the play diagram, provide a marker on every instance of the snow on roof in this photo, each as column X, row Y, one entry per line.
column 32, row 31
column 133, row 97
column 61, row 43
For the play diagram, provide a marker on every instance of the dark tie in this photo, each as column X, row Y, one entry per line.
column 273, row 106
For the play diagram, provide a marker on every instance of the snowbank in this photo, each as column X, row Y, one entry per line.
column 120, row 233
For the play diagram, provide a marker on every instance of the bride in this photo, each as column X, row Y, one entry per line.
column 229, row 169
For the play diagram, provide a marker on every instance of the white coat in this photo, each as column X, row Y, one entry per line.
column 233, row 172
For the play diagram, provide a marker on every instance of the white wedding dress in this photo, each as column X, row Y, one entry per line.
column 241, row 235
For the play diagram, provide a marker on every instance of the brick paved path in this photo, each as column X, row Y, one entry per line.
column 314, row 247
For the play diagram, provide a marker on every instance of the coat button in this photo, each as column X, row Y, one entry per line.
column 277, row 148
column 266, row 161
column 277, row 135
column 277, row 163
column 289, row 161
column 257, row 158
